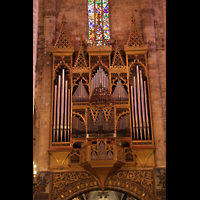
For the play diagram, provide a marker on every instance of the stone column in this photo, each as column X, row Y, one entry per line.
column 49, row 23
column 147, row 15
column 45, row 90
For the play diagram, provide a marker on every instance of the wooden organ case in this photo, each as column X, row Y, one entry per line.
column 100, row 106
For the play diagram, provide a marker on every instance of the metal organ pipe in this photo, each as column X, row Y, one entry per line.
column 135, row 105
column 138, row 100
column 146, row 109
column 61, row 116
column 142, row 102
column 62, row 104
column 54, row 115
column 68, row 126
column 132, row 110
column 58, row 107
column 65, row 123
column 139, row 106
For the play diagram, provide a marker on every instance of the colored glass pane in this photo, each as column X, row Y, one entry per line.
column 98, row 20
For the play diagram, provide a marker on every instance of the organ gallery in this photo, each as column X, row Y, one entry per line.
column 95, row 121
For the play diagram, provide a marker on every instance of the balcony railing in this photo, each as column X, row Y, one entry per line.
column 100, row 152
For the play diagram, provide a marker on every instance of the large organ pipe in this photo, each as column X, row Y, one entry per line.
column 142, row 102
column 65, row 123
column 54, row 115
column 62, row 104
column 135, row 105
column 58, row 106
column 68, row 127
column 132, row 111
column 139, row 108
column 146, row 109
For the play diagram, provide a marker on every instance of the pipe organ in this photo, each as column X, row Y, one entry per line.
column 100, row 112
column 100, row 99
column 98, row 79
column 61, row 111
column 139, row 107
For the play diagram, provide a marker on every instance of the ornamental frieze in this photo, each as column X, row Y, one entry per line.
column 62, row 179
column 143, row 178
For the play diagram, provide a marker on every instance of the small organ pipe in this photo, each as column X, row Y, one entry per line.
column 65, row 123
column 135, row 105
column 142, row 102
column 68, row 127
column 58, row 107
column 132, row 111
column 62, row 104
column 54, row 116
column 146, row 109
column 139, row 106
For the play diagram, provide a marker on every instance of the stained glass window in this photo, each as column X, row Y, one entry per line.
column 98, row 21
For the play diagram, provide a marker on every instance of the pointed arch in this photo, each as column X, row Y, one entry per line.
column 80, row 117
column 140, row 64
column 105, row 68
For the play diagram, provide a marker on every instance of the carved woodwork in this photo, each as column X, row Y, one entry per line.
column 119, row 72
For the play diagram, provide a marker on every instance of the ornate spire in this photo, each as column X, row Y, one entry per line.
column 63, row 41
column 80, row 60
column 135, row 39
column 117, row 60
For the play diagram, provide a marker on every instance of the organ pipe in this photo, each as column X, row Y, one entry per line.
column 58, row 106
column 61, row 116
column 132, row 110
column 54, row 116
column 146, row 109
column 99, row 78
column 139, row 106
column 142, row 102
column 68, row 127
column 65, row 123
column 62, row 104
column 135, row 105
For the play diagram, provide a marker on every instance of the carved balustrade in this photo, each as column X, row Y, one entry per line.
column 110, row 152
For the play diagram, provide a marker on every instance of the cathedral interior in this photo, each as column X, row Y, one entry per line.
column 99, row 99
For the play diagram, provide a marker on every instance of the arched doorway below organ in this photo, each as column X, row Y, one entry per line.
column 106, row 195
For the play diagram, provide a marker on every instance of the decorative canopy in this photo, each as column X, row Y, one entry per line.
column 63, row 42
column 101, row 95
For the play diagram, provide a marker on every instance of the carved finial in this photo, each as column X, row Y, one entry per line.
column 133, row 18
column 63, row 19
column 135, row 39
column 81, row 60
column 117, row 59
column 63, row 40
column 81, row 42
